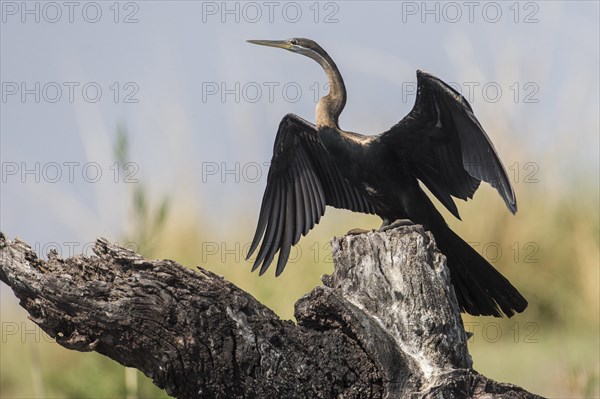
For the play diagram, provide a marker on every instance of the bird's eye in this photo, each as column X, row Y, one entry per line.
column 294, row 42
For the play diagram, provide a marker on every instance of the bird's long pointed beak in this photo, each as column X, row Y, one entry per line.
column 272, row 43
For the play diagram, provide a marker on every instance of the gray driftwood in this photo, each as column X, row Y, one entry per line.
column 385, row 324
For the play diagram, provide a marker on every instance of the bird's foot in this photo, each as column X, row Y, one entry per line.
column 355, row 232
column 396, row 223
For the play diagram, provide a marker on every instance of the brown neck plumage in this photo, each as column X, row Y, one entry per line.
column 330, row 106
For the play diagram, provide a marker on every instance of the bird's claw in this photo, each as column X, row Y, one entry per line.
column 396, row 223
column 357, row 231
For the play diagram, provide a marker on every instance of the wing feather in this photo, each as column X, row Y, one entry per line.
column 298, row 205
column 271, row 226
column 262, row 219
column 443, row 145
column 286, row 245
column 274, row 246
column 306, row 192
column 312, row 202
column 302, row 180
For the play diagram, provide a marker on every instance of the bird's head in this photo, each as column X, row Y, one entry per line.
column 330, row 106
column 303, row 46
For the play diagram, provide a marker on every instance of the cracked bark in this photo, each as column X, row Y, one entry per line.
column 385, row 324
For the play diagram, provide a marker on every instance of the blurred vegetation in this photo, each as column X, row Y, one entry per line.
column 146, row 224
column 67, row 374
column 549, row 250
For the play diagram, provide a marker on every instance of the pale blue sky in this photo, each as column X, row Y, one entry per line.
column 177, row 52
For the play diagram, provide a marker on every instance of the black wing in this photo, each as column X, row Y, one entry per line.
column 444, row 146
column 302, row 180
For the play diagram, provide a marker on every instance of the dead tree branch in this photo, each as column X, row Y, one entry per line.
column 385, row 324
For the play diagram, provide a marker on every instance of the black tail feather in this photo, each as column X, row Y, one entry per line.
column 480, row 289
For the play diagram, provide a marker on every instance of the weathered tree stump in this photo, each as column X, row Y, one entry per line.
column 385, row 324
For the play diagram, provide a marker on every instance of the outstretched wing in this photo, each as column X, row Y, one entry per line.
column 302, row 180
column 442, row 144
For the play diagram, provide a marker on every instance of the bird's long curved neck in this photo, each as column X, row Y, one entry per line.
column 330, row 106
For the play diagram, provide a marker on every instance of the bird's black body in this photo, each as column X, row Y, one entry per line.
column 440, row 143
